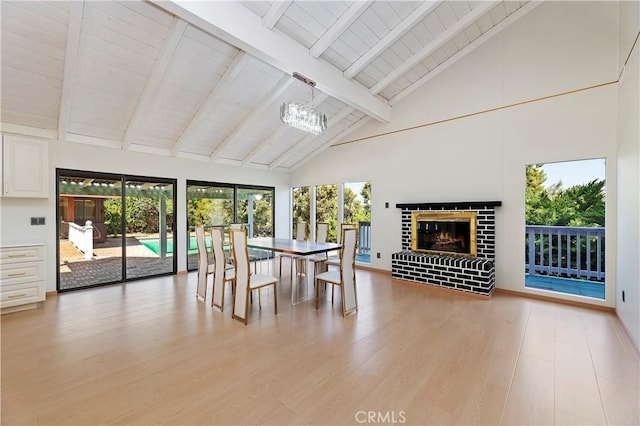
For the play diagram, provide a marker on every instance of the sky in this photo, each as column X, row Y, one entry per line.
column 574, row 172
column 356, row 187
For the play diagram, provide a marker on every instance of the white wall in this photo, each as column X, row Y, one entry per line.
column 628, row 269
column 557, row 47
column 15, row 213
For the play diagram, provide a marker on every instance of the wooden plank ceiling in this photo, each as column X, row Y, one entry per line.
column 205, row 80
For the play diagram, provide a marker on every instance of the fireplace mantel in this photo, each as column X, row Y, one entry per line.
column 450, row 205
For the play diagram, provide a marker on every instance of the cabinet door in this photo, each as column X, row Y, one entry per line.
column 25, row 167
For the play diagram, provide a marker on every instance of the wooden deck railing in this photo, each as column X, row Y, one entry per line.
column 566, row 251
column 364, row 237
column 82, row 237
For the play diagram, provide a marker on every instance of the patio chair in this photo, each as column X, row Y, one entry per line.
column 246, row 282
column 345, row 278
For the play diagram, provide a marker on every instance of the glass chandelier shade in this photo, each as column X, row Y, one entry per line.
column 303, row 117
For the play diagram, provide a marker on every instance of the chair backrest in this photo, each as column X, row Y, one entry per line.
column 243, row 274
column 219, row 262
column 203, row 262
column 322, row 230
column 233, row 226
column 347, row 270
column 344, row 226
column 301, row 231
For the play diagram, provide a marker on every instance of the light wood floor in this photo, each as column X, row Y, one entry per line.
column 149, row 353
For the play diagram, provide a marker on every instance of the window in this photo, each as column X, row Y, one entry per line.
column 212, row 204
column 84, row 210
column 357, row 210
column 565, row 227
column 301, row 207
column 327, row 209
column 335, row 203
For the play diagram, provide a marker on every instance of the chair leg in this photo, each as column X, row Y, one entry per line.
column 317, row 291
column 291, row 271
column 332, row 286
column 275, row 298
column 259, row 300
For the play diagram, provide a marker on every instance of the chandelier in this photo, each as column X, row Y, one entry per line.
column 303, row 117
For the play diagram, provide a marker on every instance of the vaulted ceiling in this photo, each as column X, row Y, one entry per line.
column 205, row 80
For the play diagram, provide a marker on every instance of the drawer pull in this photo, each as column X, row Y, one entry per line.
column 17, row 296
column 17, row 255
column 17, row 274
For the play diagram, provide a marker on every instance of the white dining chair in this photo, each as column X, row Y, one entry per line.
column 252, row 259
column 322, row 231
column 223, row 272
column 345, row 277
column 335, row 260
column 246, row 282
column 301, row 235
column 204, row 267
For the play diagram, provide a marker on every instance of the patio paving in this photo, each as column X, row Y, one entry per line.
column 106, row 264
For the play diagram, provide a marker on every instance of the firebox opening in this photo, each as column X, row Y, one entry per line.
column 445, row 233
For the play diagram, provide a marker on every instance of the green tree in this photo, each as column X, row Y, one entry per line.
column 536, row 196
column 142, row 214
column 327, row 208
column 113, row 215
column 366, row 196
column 579, row 205
column 589, row 203
column 353, row 208
column 301, row 205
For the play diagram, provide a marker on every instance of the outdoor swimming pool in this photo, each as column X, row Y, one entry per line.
column 153, row 244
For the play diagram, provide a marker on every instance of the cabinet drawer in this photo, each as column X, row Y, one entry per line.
column 16, row 273
column 21, row 254
column 21, row 294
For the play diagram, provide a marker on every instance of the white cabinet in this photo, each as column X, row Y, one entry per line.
column 22, row 282
column 25, row 167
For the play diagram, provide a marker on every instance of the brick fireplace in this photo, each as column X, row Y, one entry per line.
column 462, row 272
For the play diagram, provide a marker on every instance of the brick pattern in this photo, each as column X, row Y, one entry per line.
column 471, row 275
column 485, row 229
column 475, row 275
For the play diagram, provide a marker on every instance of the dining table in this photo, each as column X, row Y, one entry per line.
column 294, row 247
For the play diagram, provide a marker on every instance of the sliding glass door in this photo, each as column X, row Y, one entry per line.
column 89, row 230
column 211, row 204
column 113, row 228
column 208, row 205
column 149, row 227
column 255, row 209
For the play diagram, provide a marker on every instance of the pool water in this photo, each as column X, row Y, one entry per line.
column 154, row 245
